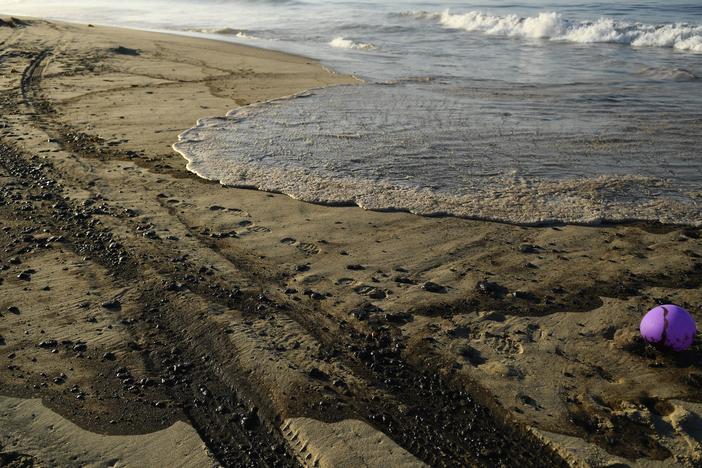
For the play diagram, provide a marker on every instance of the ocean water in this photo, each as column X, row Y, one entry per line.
column 518, row 111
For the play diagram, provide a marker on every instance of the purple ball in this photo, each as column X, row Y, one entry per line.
column 669, row 325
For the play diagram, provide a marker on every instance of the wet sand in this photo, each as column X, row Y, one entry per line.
column 136, row 298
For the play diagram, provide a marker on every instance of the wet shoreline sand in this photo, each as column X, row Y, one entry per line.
column 135, row 294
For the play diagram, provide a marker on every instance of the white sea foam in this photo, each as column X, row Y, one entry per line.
column 226, row 32
column 243, row 35
column 553, row 26
column 544, row 202
column 341, row 43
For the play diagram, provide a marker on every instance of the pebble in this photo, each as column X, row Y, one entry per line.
column 315, row 373
column 525, row 295
column 404, row 280
column 399, row 317
column 493, row 316
column 377, row 294
column 114, row 304
column 250, row 421
column 472, row 355
column 433, row 287
column 364, row 311
column 528, row 248
column 488, row 288
column 25, row 276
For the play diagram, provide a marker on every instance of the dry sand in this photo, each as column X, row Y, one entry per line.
column 273, row 327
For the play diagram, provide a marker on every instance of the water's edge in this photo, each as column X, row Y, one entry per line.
column 386, row 197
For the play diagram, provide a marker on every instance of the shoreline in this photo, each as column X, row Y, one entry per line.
column 214, row 37
column 652, row 224
column 540, row 202
column 300, row 321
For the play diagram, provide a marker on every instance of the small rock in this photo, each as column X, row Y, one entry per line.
column 377, row 294
column 250, row 421
column 364, row 311
column 488, row 288
column 530, row 249
column 404, row 280
column 493, row 316
column 525, row 295
column 434, row 288
column 694, row 379
column 339, row 383
column 527, row 400
column 25, row 276
column 114, row 304
column 121, row 50
column 318, row 374
column 459, row 332
column 355, row 267
column 399, row 317
column 471, row 355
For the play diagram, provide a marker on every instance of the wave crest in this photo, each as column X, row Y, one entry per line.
column 341, row 43
column 226, row 32
column 553, row 26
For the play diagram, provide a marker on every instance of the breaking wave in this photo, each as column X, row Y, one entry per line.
column 341, row 43
column 553, row 26
column 226, row 32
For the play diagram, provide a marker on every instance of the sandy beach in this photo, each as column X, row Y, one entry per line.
column 150, row 317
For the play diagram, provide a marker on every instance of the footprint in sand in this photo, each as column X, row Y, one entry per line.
column 257, row 229
column 504, row 345
column 363, row 289
column 309, row 248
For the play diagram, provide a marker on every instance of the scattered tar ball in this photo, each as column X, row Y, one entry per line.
column 670, row 326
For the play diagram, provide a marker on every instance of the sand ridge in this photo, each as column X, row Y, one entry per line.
column 31, row 428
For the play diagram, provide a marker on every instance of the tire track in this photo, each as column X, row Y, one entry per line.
column 445, row 425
